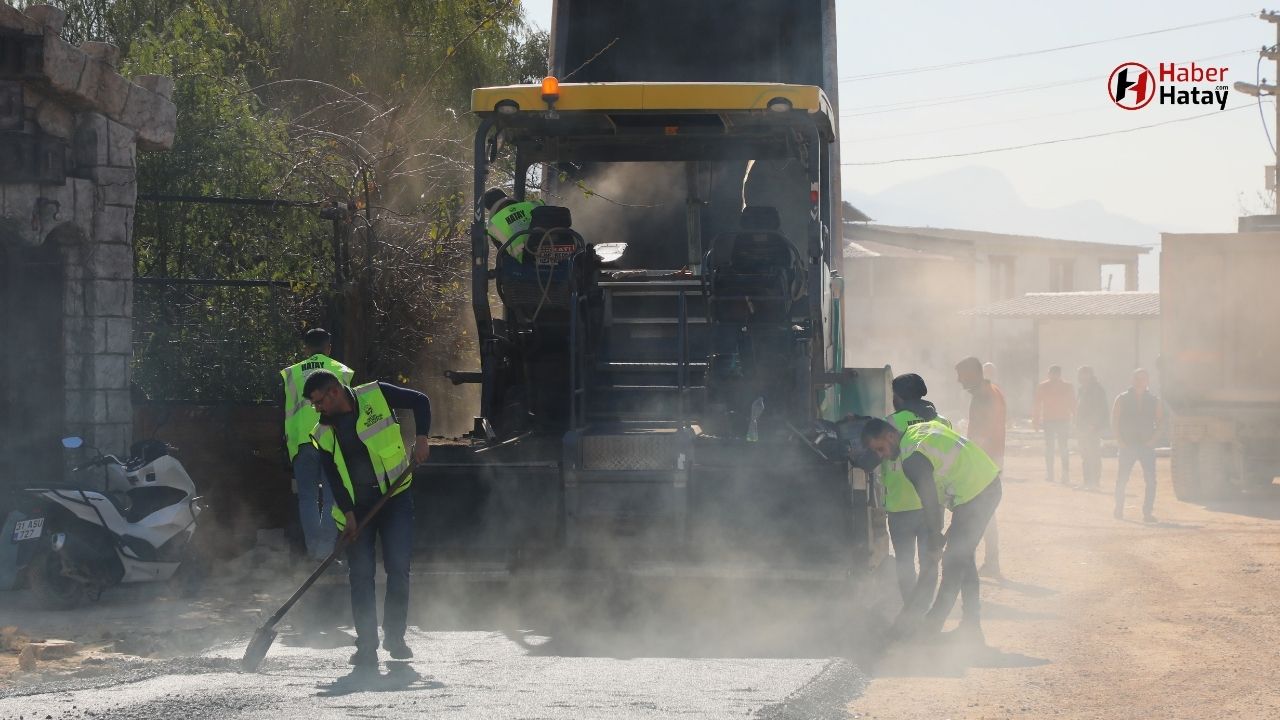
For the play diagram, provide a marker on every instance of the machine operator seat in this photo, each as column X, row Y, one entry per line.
column 755, row 273
column 539, row 281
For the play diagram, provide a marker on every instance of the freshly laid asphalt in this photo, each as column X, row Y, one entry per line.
column 714, row 662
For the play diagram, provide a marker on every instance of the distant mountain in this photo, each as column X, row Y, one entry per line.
column 979, row 198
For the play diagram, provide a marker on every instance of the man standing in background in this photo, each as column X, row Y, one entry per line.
column 1091, row 422
column 987, row 413
column 1051, row 412
column 315, row 501
column 1136, row 418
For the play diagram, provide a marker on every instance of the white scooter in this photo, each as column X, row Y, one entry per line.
column 136, row 526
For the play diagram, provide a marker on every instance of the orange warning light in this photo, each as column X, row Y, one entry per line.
column 550, row 89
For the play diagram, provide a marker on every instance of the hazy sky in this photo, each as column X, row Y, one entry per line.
column 1189, row 176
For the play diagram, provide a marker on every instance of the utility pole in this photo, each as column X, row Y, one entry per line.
column 1261, row 90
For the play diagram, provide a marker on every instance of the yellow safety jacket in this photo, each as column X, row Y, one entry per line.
column 899, row 494
column 299, row 416
column 377, row 428
column 961, row 469
column 510, row 220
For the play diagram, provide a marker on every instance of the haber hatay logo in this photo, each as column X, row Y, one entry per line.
column 1131, row 86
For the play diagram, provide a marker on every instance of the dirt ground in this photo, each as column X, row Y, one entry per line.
column 1102, row 618
column 134, row 622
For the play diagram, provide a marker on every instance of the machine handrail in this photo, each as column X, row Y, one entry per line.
column 577, row 347
column 682, row 369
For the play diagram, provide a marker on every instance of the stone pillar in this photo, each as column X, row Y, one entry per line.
column 103, row 336
column 78, row 128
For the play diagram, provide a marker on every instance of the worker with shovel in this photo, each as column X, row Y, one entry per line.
column 361, row 446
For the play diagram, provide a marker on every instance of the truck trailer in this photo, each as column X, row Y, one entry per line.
column 1218, row 368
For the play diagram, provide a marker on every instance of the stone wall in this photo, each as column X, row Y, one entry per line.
column 70, row 129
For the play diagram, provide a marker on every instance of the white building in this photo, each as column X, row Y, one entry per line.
column 907, row 290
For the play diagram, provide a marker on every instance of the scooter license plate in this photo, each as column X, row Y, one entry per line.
column 28, row 529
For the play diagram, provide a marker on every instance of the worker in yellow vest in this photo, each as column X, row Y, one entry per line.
column 945, row 468
column 362, row 447
column 507, row 219
column 315, row 501
column 907, row 527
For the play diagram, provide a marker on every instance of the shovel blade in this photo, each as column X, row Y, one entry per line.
column 257, row 650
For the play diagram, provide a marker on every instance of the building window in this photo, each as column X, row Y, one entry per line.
column 1001, row 277
column 1062, row 274
column 1115, row 276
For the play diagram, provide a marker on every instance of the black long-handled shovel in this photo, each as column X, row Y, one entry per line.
column 265, row 635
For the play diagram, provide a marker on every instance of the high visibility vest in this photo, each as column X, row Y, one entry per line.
column 377, row 428
column 961, row 469
column 299, row 416
column 899, row 494
column 510, row 220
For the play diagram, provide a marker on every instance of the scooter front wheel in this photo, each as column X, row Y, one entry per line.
column 53, row 589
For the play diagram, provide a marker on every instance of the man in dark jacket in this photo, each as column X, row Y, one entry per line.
column 1136, row 419
column 1092, row 419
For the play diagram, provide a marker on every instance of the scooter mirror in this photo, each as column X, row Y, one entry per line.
column 73, row 442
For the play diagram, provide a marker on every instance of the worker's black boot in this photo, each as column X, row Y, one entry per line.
column 364, row 657
column 398, row 649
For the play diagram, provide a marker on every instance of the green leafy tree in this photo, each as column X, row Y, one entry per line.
column 363, row 104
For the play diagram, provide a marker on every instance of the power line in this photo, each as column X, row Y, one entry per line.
column 1056, row 141
column 951, row 99
column 1029, row 53
column 953, row 128
column 968, row 97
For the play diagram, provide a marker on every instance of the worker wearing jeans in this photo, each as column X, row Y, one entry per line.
column 315, row 499
column 1136, row 418
column 394, row 525
column 363, row 449
column 318, row 531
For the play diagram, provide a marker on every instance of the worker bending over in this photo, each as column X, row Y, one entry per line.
column 907, row 527
column 945, row 468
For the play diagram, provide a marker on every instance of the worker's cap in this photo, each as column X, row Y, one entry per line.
column 493, row 197
column 910, row 387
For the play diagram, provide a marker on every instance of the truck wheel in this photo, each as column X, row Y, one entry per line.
column 1185, row 464
column 53, row 589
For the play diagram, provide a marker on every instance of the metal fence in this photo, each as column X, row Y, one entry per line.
column 207, row 341
column 221, row 337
